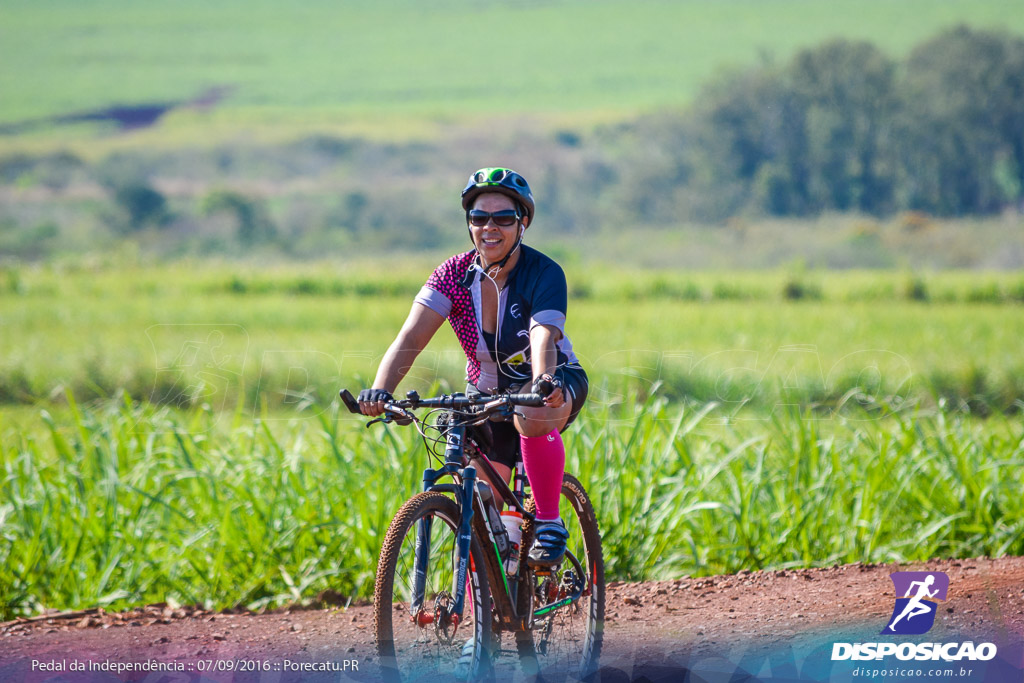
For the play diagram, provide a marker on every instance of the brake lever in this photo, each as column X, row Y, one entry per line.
column 395, row 412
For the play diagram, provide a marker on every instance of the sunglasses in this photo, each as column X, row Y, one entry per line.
column 503, row 219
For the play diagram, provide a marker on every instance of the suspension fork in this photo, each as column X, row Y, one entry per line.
column 453, row 458
column 423, row 526
column 465, row 537
column 453, row 453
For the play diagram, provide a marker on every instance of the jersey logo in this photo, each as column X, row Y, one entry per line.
column 517, row 358
column 515, row 311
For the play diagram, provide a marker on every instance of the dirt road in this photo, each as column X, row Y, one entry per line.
column 778, row 625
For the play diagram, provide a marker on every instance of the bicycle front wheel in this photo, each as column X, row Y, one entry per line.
column 418, row 638
column 565, row 641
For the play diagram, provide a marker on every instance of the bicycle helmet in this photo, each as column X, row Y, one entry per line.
column 503, row 181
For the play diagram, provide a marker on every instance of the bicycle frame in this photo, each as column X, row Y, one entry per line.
column 454, row 454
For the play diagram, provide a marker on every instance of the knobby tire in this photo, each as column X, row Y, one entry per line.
column 408, row 651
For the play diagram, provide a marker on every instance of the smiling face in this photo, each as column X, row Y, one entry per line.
column 493, row 242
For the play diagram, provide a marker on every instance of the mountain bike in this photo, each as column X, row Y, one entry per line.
column 449, row 585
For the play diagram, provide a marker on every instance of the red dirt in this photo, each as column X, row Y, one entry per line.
column 664, row 621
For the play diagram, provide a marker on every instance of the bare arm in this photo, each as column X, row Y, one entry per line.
column 416, row 333
column 545, row 358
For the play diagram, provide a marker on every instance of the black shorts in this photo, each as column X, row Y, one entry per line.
column 503, row 435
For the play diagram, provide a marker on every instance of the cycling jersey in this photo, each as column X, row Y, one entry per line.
column 534, row 294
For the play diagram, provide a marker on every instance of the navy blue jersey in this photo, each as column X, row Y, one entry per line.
column 534, row 294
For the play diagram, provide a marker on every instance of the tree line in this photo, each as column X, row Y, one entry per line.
column 843, row 127
column 839, row 127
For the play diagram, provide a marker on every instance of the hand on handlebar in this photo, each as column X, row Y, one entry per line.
column 550, row 387
column 372, row 404
column 371, row 401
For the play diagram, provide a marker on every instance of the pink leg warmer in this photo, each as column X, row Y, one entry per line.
column 544, row 459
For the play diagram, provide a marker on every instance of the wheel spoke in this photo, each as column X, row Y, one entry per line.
column 566, row 641
column 426, row 642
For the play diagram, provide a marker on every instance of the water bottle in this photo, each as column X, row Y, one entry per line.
column 513, row 522
column 493, row 518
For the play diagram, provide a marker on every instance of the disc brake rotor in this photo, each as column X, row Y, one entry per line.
column 446, row 622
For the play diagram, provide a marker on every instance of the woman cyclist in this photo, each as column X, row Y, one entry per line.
column 506, row 303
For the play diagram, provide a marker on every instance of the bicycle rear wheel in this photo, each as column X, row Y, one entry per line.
column 565, row 642
column 417, row 640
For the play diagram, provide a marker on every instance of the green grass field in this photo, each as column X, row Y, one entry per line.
column 169, row 431
column 729, row 427
column 396, row 69
column 193, row 333
column 119, row 505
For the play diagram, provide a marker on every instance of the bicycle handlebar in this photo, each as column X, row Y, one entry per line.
column 412, row 401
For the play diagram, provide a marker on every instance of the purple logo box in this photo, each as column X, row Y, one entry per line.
column 917, row 598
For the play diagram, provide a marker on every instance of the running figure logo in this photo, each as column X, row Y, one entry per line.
column 914, row 612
